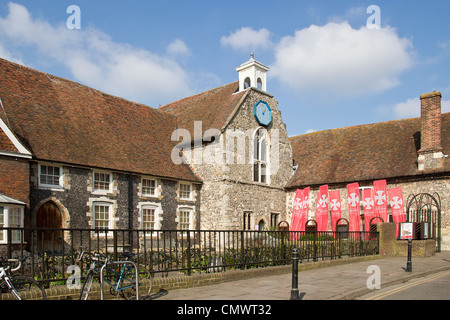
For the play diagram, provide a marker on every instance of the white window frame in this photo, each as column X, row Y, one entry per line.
column 6, row 214
column 155, row 192
column 108, row 205
column 46, row 185
column 110, row 183
column 258, row 156
column 180, row 191
column 158, row 216
column 191, row 210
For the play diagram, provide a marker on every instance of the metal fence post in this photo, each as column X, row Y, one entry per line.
column 409, row 262
column 242, row 251
column 189, row 265
column 294, row 290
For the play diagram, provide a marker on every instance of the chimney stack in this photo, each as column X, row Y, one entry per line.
column 431, row 154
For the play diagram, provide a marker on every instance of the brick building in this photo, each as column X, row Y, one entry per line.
column 75, row 157
column 72, row 156
column 407, row 153
column 240, row 150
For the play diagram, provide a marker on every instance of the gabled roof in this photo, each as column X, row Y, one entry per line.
column 62, row 121
column 366, row 152
column 213, row 108
column 9, row 144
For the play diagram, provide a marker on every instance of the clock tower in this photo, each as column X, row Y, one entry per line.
column 252, row 74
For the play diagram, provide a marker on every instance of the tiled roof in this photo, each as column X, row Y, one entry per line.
column 366, row 152
column 62, row 121
column 213, row 108
column 8, row 200
column 6, row 144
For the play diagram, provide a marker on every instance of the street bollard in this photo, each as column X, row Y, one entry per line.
column 294, row 290
column 409, row 262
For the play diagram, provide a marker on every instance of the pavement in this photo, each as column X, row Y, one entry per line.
column 336, row 282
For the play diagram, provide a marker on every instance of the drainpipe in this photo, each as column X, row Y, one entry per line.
column 130, row 210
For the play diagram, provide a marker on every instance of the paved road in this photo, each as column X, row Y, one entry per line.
column 432, row 287
column 347, row 281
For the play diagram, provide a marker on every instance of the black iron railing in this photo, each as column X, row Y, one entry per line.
column 49, row 252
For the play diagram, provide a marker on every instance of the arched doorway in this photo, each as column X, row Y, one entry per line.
column 425, row 207
column 49, row 221
column 261, row 225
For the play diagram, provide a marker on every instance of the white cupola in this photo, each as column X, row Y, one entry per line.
column 252, row 74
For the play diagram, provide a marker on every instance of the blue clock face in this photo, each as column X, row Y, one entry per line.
column 263, row 113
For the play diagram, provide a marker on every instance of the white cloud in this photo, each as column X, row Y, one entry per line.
column 5, row 54
column 411, row 108
column 96, row 60
column 177, row 47
column 407, row 109
column 338, row 60
column 248, row 39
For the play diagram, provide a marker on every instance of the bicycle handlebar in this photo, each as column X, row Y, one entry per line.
column 9, row 262
column 94, row 256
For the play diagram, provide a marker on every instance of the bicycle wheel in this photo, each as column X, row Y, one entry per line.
column 145, row 282
column 128, row 290
column 28, row 288
column 86, row 288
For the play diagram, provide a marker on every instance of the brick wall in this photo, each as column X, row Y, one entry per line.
column 14, row 178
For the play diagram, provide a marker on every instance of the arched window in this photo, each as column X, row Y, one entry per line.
column 260, row 170
column 247, row 83
column 259, row 84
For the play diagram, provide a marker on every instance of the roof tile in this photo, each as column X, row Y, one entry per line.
column 366, row 152
column 63, row 121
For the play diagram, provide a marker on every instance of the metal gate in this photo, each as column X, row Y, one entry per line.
column 424, row 207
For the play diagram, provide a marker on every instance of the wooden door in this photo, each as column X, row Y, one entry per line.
column 49, row 218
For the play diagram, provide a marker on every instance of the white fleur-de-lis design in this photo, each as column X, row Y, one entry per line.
column 323, row 201
column 380, row 197
column 353, row 200
column 298, row 204
column 335, row 204
column 396, row 202
column 368, row 203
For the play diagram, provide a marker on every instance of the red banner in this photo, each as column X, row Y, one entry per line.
column 380, row 198
column 299, row 211
column 304, row 215
column 368, row 207
column 397, row 206
column 353, row 206
column 322, row 209
column 335, row 208
column 296, row 210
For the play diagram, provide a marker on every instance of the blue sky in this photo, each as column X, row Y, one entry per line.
column 328, row 69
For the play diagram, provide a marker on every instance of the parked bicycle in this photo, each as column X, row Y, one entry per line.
column 124, row 277
column 19, row 287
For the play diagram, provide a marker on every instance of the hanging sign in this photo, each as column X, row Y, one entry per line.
column 322, row 209
column 353, row 206
column 368, row 207
column 335, row 207
column 397, row 206
column 380, row 199
column 305, row 209
column 296, row 210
